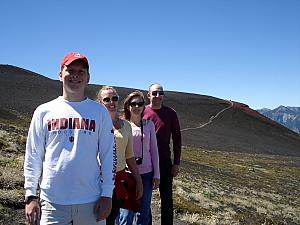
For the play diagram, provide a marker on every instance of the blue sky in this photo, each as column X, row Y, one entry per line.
column 243, row 50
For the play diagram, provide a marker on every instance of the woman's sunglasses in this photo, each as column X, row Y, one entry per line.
column 154, row 93
column 139, row 104
column 113, row 98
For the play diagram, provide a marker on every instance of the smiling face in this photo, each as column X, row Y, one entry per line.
column 136, row 106
column 75, row 78
column 109, row 99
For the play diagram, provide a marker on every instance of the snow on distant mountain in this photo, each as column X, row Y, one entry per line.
column 285, row 115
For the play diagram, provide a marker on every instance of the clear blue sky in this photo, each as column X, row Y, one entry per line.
column 243, row 50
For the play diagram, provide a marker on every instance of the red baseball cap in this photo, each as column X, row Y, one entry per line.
column 71, row 57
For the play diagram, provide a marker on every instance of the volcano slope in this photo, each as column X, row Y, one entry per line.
column 238, row 166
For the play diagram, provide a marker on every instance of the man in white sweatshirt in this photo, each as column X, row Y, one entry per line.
column 68, row 140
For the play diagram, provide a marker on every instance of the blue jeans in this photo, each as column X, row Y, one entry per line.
column 142, row 217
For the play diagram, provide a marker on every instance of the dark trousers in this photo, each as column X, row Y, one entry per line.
column 165, row 189
column 166, row 194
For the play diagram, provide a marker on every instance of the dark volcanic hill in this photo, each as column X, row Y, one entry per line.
column 206, row 122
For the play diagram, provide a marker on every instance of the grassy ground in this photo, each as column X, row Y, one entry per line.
column 12, row 146
column 213, row 187
column 231, row 188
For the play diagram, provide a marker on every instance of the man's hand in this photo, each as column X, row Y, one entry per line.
column 155, row 183
column 103, row 208
column 175, row 170
column 33, row 212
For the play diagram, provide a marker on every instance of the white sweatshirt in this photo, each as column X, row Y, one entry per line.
column 64, row 143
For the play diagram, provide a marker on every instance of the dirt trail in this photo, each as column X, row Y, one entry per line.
column 211, row 119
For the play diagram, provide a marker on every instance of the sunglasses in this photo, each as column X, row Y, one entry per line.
column 154, row 93
column 139, row 104
column 113, row 98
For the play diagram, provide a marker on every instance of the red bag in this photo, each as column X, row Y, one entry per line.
column 126, row 190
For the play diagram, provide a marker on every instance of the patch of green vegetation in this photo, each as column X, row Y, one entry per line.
column 12, row 198
column 16, row 124
column 248, row 217
column 9, row 162
column 11, row 215
column 8, row 182
column 3, row 144
column 183, row 205
column 249, row 188
column 12, row 140
column 21, row 140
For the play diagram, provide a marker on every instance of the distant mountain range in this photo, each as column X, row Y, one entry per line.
column 285, row 115
column 206, row 122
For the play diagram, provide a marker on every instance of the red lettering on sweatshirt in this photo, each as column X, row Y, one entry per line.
column 63, row 123
column 85, row 124
column 76, row 124
column 71, row 123
column 92, row 125
column 55, row 124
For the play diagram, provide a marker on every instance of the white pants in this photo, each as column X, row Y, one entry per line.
column 79, row 214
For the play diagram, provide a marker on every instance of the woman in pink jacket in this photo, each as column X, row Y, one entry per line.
column 146, row 155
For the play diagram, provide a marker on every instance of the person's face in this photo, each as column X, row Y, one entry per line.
column 156, row 94
column 74, row 77
column 110, row 100
column 136, row 106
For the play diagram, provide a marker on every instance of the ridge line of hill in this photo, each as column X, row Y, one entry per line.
column 226, row 125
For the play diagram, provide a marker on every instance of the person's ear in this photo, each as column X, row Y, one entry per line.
column 148, row 94
column 60, row 76
column 88, row 78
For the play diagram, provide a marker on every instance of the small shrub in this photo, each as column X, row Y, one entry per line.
column 9, row 162
column 3, row 144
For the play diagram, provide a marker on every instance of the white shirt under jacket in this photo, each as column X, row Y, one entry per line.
column 64, row 143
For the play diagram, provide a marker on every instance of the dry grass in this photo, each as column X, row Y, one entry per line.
column 212, row 188
column 12, row 147
column 232, row 188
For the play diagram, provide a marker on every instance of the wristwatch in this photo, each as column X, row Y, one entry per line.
column 30, row 198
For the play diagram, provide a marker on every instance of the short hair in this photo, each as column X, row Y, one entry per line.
column 154, row 84
column 126, row 112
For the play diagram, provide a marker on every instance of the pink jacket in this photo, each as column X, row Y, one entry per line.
column 150, row 150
